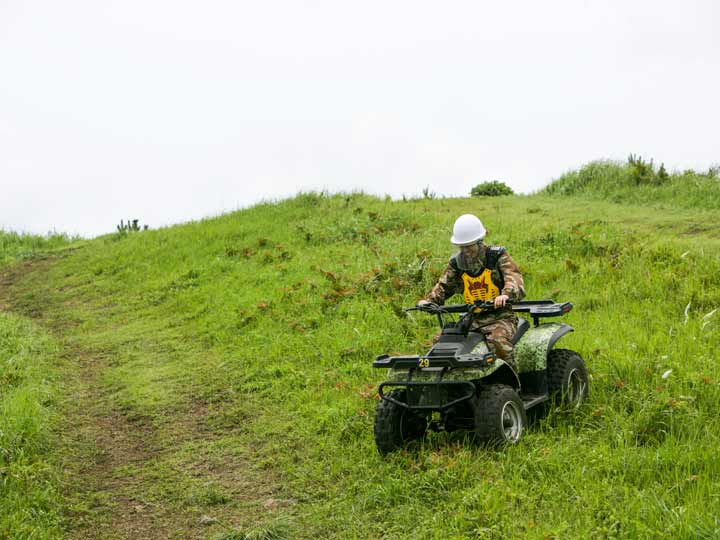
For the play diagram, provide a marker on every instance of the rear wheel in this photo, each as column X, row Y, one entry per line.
column 499, row 415
column 395, row 425
column 567, row 377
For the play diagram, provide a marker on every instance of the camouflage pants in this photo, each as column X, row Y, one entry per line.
column 499, row 335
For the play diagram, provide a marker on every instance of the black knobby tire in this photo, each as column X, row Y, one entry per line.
column 395, row 425
column 499, row 415
column 567, row 377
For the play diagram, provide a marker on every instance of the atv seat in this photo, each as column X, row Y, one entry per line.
column 523, row 325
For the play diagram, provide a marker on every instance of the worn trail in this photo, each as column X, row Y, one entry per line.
column 126, row 475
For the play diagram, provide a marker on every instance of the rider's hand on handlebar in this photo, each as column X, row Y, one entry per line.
column 501, row 300
column 427, row 305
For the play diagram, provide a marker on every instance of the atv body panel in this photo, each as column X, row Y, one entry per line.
column 532, row 348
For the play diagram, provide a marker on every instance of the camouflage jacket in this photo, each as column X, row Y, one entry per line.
column 506, row 275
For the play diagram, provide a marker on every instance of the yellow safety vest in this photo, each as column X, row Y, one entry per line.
column 480, row 288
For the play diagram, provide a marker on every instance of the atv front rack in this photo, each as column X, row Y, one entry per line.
column 425, row 361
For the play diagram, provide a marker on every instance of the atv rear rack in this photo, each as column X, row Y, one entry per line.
column 538, row 309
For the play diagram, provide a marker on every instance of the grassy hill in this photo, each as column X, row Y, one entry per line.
column 15, row 246
column 214, row 378
column 641, row 182
column 30, row 503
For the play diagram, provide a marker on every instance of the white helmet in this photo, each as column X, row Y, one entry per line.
column 467, row 230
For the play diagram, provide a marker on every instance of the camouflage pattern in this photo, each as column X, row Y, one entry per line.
column 498, row 335
column 480, row 349
column 397, row 375
column 531, row 351
column 530, row 354
column 499, row 326
column 474, row 373
column 506, row 276
column 457, row 374
column 419, row 375
column 436, row 375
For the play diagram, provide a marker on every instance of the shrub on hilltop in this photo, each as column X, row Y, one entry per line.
column 491, row 189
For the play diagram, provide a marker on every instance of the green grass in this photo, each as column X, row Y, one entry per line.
column 245, row 343
column 30, row 503
column 14, row 246
column 639, row 182
column 30, row 500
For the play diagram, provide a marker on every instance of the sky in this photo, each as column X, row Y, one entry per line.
column 171, row 111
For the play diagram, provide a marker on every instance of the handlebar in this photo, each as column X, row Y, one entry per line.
column 455, row 308
column 537, row 309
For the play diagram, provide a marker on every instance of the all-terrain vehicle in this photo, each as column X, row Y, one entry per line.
column 460, row 384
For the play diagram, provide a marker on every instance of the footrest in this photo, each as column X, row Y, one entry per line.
column 530, row 400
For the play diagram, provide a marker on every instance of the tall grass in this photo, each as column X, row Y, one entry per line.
column 260, row 326
column 21, row 246
column 29, row 498
column 30, row 502
column 639, row 182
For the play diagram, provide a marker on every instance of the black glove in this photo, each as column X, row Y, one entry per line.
column 427, row 305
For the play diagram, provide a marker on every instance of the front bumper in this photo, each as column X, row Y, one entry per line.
column 430, row 396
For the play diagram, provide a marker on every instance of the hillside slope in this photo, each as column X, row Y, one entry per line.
column 217, row 379
column 14, row 246
column 30, row 501
column 640, row 182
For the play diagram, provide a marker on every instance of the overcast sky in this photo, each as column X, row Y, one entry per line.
column 169, row 111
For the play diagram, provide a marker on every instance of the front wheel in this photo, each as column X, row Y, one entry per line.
column 567, row 377
column 395, row 425
column 499, row 415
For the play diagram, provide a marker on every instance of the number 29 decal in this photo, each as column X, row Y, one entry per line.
column 423, row 362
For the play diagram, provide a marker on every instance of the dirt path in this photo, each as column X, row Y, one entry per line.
column 107, row 441
column 109, row 455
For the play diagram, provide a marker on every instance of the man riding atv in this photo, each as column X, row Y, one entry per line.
column 484, row 273
column 472, row 378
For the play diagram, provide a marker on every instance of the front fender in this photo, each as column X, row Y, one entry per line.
column 532, row 349
column 498, row 372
